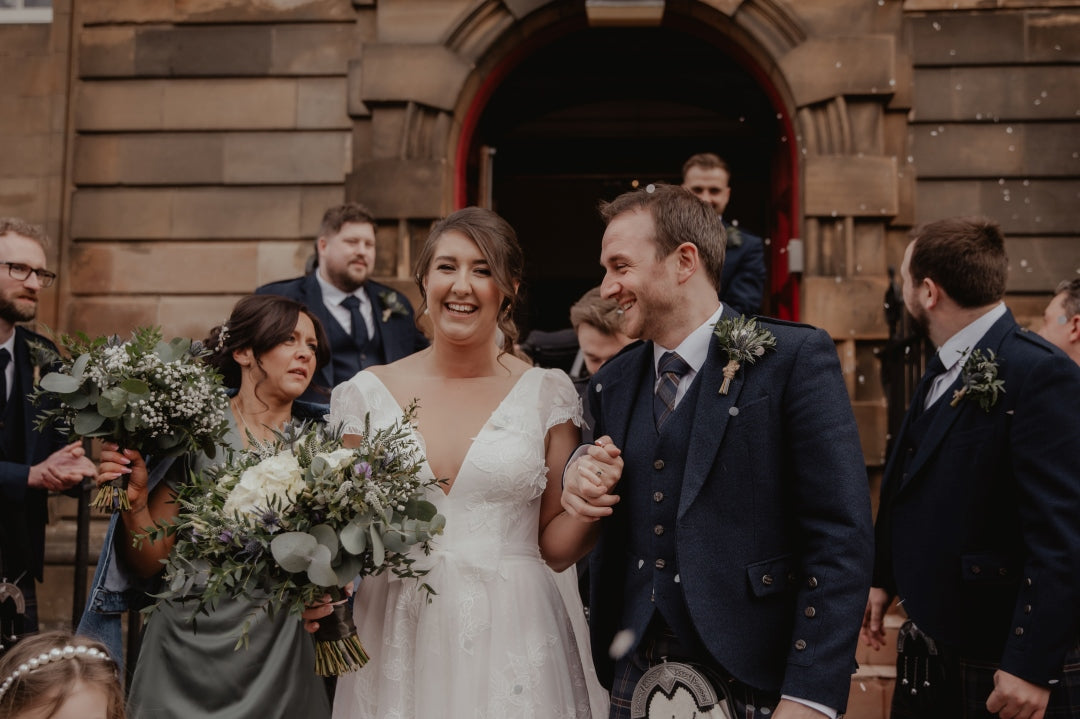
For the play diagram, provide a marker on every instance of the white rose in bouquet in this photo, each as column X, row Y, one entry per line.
column 278, row 476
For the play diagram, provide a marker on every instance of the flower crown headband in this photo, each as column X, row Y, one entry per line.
column 53, row 655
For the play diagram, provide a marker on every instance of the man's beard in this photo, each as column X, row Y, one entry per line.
column 919, row 325
column 11, row 313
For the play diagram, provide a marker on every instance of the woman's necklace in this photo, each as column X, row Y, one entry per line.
column 243, row 420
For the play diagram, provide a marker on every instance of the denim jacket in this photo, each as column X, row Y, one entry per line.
column 115, row 588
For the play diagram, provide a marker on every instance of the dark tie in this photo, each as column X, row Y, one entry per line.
column 933, row 368
column 359, row 327
column 5, row 358
column 672, row 367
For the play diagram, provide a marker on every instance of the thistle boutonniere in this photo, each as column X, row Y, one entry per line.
column 979, row 376
column 392, row 305
column 734, row 236
column 743, row 341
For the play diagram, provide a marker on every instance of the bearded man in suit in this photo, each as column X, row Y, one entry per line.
column 978, row 530
column 32, row 463
column 367, row 323
column 739, row 537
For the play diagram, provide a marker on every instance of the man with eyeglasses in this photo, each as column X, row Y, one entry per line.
column 1061, row 321
column 32, row 463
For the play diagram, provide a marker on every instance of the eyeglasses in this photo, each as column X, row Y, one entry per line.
column 22, row 272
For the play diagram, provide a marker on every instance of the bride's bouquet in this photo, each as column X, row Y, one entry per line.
column 286, row 522
column 147, row 394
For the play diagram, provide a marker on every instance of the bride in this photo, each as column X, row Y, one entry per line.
column 497, row 640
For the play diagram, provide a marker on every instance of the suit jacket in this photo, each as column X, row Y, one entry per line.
column 400, row 335
column 979, row 526
column 774, row 536
column 742, row 280
column 23, row 511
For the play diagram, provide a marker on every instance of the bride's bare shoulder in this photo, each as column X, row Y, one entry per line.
column 515, row 366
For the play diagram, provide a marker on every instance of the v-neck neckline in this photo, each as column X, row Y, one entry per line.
column 472, row 441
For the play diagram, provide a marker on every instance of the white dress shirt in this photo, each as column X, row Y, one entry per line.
column 956, row 349
column 333, row 297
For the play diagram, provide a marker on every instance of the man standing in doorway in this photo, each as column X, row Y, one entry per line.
column 977, row 530
column 739, row 537
column 32, row 463
column 367, row 323
column 742, row 284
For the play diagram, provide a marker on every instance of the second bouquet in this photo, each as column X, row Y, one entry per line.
column 286, row 522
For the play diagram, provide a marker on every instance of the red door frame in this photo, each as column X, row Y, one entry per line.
column 783, row 285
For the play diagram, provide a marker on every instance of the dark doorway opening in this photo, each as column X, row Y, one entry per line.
column 599, row 111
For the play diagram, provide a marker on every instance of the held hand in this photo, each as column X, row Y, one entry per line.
column 62, row 469
column 116, row 463
column 589, row 479
column 322, row 608
column 873, row 623
column 1014, row 698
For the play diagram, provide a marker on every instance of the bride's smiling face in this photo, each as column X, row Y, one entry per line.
column 463, row 298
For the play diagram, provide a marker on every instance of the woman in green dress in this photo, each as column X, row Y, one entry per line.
column 267, row 351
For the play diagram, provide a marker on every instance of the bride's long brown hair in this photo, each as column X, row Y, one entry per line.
column 498, row 244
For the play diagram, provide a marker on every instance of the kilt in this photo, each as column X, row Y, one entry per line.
column 960, row 687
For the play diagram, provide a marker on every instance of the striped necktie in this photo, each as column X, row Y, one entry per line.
column 670, row 370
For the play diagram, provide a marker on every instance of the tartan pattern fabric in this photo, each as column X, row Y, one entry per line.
column 670, row 370
column 966, row 684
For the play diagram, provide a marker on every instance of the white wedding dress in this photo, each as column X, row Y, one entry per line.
column 498, row 640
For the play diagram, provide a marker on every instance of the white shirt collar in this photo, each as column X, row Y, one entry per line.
column 957, row 347
column 695, row 348
column 9, row 345
column 333, row 296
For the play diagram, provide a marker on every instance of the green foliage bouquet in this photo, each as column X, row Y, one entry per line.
column 157, row 397
column 286, row 522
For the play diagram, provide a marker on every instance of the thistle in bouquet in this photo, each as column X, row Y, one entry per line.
column 144, row 393
column 288, row 521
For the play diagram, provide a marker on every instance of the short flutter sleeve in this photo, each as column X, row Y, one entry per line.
column 351, row 401
column 559, row 400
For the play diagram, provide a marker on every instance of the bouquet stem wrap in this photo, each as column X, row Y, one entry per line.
column 337, row 648
column 112, row 496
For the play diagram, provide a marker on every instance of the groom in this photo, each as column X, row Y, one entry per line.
column 739, row 537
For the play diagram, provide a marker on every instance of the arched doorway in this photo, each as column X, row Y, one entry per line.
column 594, row 112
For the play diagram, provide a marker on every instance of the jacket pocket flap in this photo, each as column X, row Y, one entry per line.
column 772, row 576
column 988, row 567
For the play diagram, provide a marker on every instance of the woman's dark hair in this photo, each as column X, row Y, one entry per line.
column 259, row 323
column 498, row 244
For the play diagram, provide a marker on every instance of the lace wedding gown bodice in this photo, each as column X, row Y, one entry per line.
column 496, row 641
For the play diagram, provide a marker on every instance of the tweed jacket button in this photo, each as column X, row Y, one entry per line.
column 810, row 611
column 658, row 530
column 976, row 569
column 767, row 580
column 599, row 387
column 1003, row 572
column 1027, row 609
column 658, row 464
column 812, row 582
column 1028, row 581
column 800, row 644
column 660, row 564
column 658, row 496
column 1019, row 631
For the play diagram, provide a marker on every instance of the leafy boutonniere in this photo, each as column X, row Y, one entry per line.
column 734, row 236
column 41, row 356
column 980, row 380
column 743, row 341
column 392, row 305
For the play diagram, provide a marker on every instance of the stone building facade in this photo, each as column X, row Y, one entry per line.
column 181, row 152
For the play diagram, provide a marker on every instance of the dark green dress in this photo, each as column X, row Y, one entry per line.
column 196, row 674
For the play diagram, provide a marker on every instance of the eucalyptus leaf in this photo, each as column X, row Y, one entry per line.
column 87, row 422
column 60, row 383
column 420, row 508
column 354, row 537
column 347, row 568
column 75, row 400
column 320, row 571
column 79, row 366
column 113, row 402
column 326, row 536
column 378, row 551
column 135, row 386
column 294, row 550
